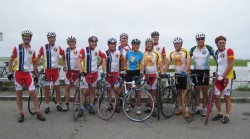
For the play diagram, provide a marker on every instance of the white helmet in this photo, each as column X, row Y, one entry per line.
column 124, row 34
column 51, row 34
column 178, row 40
column 200, row 35
column 27, row 32
column 112, row 40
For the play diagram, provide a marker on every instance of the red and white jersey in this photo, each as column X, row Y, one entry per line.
column 23, row 58
column 90, row 59
column 51, row 56
column 124, row 49
column 222, row 58
column 71, row 57
column 113, row 60
column 160, row 49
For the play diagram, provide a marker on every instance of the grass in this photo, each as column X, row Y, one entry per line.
column 243, row 87
column 237, row 62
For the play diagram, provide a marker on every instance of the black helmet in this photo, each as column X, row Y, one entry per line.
column 136, row 41
column 93, row 38
column 155, row 33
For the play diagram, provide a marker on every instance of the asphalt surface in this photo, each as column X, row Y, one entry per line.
column 60, row 125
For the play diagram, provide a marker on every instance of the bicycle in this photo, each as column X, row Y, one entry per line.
column 4, row 74
column 139, row 96
column 106, row 101
column 39, row 92
column 210, row 97
column 168, row 98
column 77, row 97
column 188, row 99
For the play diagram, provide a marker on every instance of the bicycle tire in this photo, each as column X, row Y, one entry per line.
column 168, row 102
column 132, row 113
column 76, row 105
column 188, row 106
column 209, row 105
column 106, row 104
column 31, row 107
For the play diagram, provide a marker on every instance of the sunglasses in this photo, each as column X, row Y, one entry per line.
column 200, row 39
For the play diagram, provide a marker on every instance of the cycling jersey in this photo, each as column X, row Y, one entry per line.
column 51, row 56
column 222, row 58
column 113, row 60
column 71, row 58
column 160, row 49
column 179, row 59
column 134, row 60
column 201, row 57
column 90, row 59
column 124, row 49
column 23, row 58
column 151, row 60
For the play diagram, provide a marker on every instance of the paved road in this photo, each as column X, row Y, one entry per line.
column 61, row 126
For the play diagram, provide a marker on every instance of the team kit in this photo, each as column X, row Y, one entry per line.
column 125, row 60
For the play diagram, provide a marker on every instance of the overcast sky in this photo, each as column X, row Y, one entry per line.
column 138, row 18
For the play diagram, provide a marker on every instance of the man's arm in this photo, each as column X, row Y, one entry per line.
column 79, row 63
column 229, row 68
column 167, row 65
column 187, row 65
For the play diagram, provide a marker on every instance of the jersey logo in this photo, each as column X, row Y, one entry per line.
column 157, row 48
column 132, row 59
column 116, row 55
column 204, row 52
column 55, row 49
column 228, row 90
column 95, row 53
column 30, row 52
column 222, row 55
column 75, row 52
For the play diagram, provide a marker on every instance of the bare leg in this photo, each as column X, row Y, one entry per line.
column 19, row 95
column 179, row 97
column 67, row 89
column 218, row 103
column 197, row 89
column 84, row 92
column 228, row 104
column 47, row 95
column 92, row 95
column 35, row 100
column 205, row 95
column 58, row 95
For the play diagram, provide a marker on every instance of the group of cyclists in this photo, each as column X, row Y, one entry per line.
column 125, row 59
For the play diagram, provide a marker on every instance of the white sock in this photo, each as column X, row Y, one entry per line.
column 47, row 106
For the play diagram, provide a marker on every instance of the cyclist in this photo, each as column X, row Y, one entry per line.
column 50, row 53
column 181, row 59
column 132, row 64
column 72, row 53
column 23, row 55
column 88, row 63
column 201, row 54
column 157, row 46
column 150, row 63
column 223, row 83
column 113, row 58
column 123, row 47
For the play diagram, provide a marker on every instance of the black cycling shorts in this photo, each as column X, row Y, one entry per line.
column 130, row 74
column 180, row 82
column 200, row 75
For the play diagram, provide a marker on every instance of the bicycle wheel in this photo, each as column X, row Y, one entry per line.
column 31, row 107
column 188, row 105
column 76, row 105
column 132, row 112
column 209, row 105
column 168, row 102
column 106, row 103
column 52, row 95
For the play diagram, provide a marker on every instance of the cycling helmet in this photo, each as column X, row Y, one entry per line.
column 51, row 34
column 155, row 33
column 71, row 39
column 27, row 32
column 112, row 40
column 124, row 34
column 149, row 40
column 177, row 40
column 135, row 41
column 200, row 35
column 93, row 39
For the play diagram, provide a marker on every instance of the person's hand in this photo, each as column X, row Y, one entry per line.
column 220, row 78
column 141, row 74
column 103, row 74
column 124, row 72
column 183, row 74
column 65, row 69
column 10, row 76
column 35, row 79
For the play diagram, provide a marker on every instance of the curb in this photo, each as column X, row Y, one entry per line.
column 234, row 99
